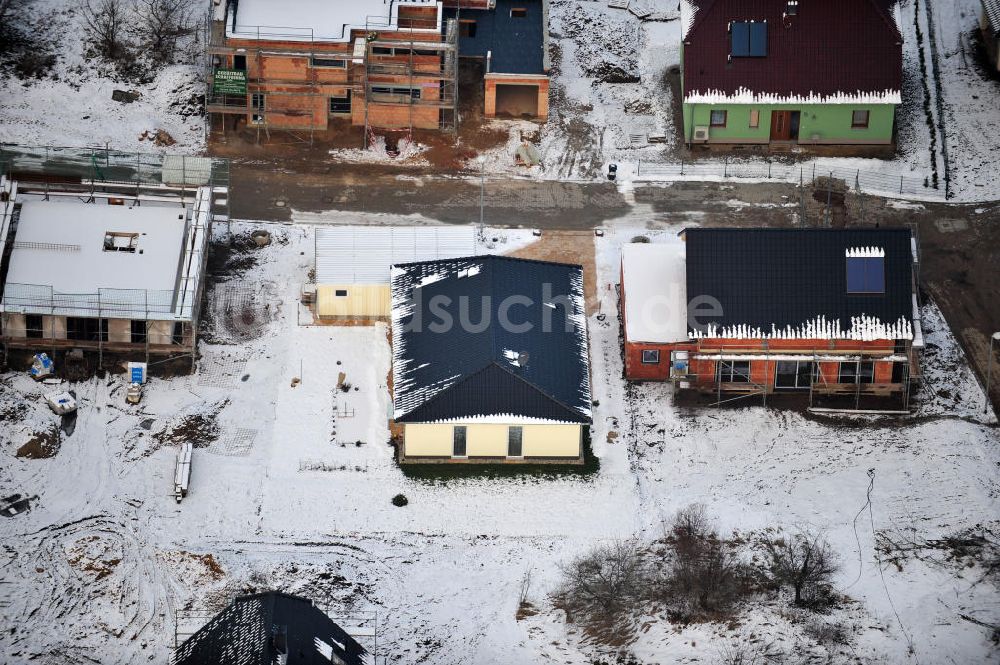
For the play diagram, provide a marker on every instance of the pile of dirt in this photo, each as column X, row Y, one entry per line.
column 42, row 445
column 95, row 556
column 195, row 566
column 201, row 429
column 233, row 255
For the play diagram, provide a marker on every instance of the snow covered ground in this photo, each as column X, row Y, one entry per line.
column 72, row 105
column 594, row 116
column 608, row 96
column 291, row 488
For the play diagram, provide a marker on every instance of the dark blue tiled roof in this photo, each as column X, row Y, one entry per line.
column 516, row 44
column 259, row 627
column 786, row 277
column 536, row 368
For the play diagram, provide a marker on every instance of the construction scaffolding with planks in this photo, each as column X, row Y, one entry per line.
column 434, row 62
column 847, row 394
column 192, row 192
column 393, row 73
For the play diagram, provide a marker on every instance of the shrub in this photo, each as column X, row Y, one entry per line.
column 400, row 500
column 602, row 584
column 805, row 562
column 703, row 574
column 106, row 22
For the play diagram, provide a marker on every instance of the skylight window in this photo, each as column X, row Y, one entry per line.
column 748, row 39
column 116, row 241
column 865, row 270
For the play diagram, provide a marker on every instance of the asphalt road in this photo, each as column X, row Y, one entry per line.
column 959, row 242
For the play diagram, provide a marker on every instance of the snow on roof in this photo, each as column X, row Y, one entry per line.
column 502, row 419
column 654, row 279
column 688, row 11
column 991, row 9
column 863, row 328
column 534, row 365
column 365, row 254
column 746, row 96
column 59, row 262
column 317, row 20
column 865, row 252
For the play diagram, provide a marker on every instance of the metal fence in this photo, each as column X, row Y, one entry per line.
column 871, row 182
column 113, row 166
column 105, row 303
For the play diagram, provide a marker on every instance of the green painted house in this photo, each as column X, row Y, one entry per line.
column 790, row 72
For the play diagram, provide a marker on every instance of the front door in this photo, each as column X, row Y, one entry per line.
column 514, row 439
column 458, row 441
column 781, row 125
column 793, row 125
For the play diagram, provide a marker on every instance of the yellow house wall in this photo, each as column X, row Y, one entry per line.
column 362, row 300
column 490, row 440
column 551, row 440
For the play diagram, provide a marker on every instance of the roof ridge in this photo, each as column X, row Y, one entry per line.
column 538, row 388
column 699, row 15
column 888, row 18
column 499, row 365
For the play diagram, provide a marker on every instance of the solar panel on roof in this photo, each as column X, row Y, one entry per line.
column 758, row 39
column 865, row 275
column 740, row 39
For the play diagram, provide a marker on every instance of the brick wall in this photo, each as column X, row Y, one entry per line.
column 494, row 81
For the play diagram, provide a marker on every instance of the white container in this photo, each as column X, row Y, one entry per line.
column 61, row 402
column 182, row 471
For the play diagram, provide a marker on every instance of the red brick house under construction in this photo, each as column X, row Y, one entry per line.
column 831, row 313
column 315, row 65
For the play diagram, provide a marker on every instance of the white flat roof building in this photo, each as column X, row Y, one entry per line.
column 318, row 20
column 133, row 261
column 654, row 283
column 365, row 254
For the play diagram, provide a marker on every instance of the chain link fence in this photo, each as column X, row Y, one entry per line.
column 870, row 182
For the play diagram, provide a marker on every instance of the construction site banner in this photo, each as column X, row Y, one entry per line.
column 230, row 82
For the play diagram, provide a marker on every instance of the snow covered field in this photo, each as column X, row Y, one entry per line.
column 608, row 96
column 291, row 488
column 72, row 105
column 594, row 116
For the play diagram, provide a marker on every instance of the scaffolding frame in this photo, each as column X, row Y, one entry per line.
column 89, row 175
column 365, row 71
column 726, row 392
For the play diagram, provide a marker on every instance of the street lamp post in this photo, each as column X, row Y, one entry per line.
column 989, row 371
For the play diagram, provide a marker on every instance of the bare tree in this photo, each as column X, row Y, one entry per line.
column 602, row 583
column 803, row 562
column 689, row 528
column 704, row 573
column 105, row 22
column 161, row 23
